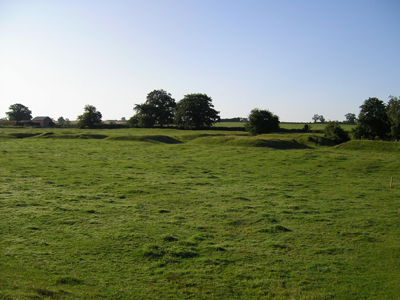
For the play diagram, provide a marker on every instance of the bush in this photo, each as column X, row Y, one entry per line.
column 306, row 127
column 336, row 133
column 262, row 121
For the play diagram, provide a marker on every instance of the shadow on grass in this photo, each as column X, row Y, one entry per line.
column 246, row 141
column 21, row 135
column 163, row 139
column 94, row 136
column 283, row 145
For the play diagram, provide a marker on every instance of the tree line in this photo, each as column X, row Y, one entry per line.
column 194, row 111
column 376, row 120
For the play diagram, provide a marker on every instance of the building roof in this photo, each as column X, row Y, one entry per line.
column 39, row 118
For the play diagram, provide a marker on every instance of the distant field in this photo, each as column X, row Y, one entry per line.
column 170, row 214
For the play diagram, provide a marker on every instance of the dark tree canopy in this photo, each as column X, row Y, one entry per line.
column 350, row 118
column 317, row 117
column 61, row 121
column 372, row 121
column 393, row 113
column 196, row 111
column 262, row 121
column 19, row 112
column 159, row 105
column 133, row 121
column 90, row 117
column 145, row 121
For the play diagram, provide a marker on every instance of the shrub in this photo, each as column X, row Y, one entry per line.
column 262, row 121
column 306, row 127
column 336, row 133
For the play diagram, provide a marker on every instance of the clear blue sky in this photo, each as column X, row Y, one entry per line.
column 295, row 58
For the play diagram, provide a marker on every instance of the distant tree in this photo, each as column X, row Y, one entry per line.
column 123, row 119
column 196, row 111
column 336, row 133
column 90, row 117
column 350, row 118
column 159, row 105
column 67, row 121
column 19, row 112
column 372, row 121
column 393, row 113
column 318, row 118
column 262, row 121
column 61, row 121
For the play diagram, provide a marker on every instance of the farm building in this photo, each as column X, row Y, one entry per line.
column 42, row 122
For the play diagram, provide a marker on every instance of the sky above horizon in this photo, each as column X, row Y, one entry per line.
column 294, row 58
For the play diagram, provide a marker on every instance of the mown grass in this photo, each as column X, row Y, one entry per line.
column 195, row 215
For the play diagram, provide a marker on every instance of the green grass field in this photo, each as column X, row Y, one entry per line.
column 169, row 214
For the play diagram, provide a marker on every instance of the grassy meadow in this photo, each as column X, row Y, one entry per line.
column 170, row 214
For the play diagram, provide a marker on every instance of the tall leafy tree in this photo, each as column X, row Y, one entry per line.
column 350, row 118
column 159, row 105
column 372, row 121
column 19, row 112
column 262, row 121
column 61, row 121
column 317, row 117
column 196, row 111
column 90, row 117
column 393, row 113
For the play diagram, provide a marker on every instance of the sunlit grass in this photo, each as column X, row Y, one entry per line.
column 173, row 214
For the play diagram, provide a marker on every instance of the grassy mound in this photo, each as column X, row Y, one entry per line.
column 376, row 146
column 274, row 141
